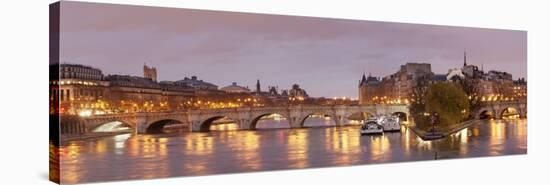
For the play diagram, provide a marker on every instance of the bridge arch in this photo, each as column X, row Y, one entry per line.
column 509, row 112
column 157, row 126
column 486, row 114
column 402, row 115
column 112, row 126
column 331, row 117
column 206, row 123
column 257, row 118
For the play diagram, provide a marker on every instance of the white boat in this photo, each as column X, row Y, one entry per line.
column 390, row 123
column 371, row 126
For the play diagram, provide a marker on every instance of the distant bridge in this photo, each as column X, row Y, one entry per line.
column 246, row 118
column 497, row 109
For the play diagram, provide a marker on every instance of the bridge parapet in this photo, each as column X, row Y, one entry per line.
column 246, row 117
column 498, row 108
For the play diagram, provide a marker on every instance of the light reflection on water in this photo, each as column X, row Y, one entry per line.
column 227, row 150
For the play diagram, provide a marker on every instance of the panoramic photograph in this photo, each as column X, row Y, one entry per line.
column 141, row 92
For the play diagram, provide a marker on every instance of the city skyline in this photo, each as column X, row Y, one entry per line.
column 139, row 92
column 278, row 50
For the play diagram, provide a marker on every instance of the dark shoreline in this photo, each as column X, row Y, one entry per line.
column 426, row 135
column 90, row 136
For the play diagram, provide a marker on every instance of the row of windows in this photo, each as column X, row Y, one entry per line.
column 81, row 70
column 80, row 75
column 136, row 84
column 65, row 94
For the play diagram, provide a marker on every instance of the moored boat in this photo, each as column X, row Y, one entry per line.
column 391, row 124
column 371, row 126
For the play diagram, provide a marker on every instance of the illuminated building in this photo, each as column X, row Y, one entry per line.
column 491, row 86
column 133, row 93
column 175, row 96
column 520, row 89
column 395, row 88
column 83, row 90
column 369, row 87
column 78, row 87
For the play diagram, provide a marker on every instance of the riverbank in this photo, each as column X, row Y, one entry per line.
column 425, row 135
column 94, row 135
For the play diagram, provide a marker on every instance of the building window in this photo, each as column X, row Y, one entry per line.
column 61, row 97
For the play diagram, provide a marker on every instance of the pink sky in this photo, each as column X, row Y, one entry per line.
column 325, row 56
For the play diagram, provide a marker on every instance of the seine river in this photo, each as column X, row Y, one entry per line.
column 225, row 150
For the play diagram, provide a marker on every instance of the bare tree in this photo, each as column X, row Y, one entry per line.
column 472, row 90
column 418, row 99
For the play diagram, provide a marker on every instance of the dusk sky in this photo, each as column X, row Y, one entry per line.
column 324, row 56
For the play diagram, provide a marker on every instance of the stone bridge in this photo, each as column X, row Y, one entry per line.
column 246, row 118
column 497, row 109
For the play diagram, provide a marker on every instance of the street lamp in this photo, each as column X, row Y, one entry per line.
column 434, row 120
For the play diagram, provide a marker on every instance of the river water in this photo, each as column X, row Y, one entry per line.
column 225, row 150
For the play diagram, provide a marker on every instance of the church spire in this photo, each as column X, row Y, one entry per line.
column 258, row 89
column 465, row 59
column 363, row 79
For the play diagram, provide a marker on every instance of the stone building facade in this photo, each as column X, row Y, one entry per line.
column 150, row 73
column 395, row 88
column 78, row 85
column 489, row 86
column 84, row 90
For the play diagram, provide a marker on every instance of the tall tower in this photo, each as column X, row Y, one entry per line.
column 465, row 59
column 258, row 89
column 149, row 72
column 363, row 90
